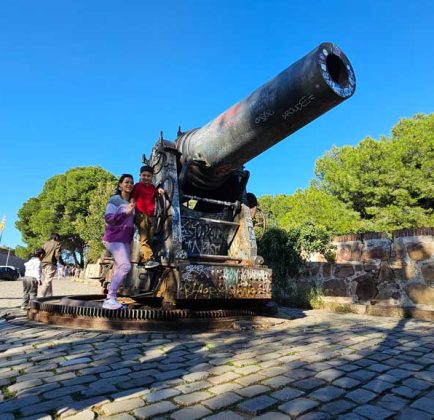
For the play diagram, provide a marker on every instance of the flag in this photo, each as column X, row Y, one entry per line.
column 3, row 223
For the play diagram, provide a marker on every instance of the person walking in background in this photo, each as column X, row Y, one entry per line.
column 32, row 277
column 52, row 256
column 119, row 232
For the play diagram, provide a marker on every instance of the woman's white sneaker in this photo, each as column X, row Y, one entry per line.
column 111, row 304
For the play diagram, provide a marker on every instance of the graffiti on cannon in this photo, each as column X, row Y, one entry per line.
column 199, row 281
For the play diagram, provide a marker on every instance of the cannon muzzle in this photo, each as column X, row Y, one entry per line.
column 307, row 89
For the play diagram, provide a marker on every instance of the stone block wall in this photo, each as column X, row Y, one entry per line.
column 372, row 269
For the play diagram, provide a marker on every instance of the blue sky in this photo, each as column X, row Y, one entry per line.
column 86, row 83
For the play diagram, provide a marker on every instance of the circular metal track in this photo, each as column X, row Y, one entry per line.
column 87, row 312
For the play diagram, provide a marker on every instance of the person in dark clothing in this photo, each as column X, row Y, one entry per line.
column 52, row 256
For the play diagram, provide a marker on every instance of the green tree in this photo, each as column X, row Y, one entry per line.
column 275, row 208
column 23, row 252
column 285, row 251
column 389, row 182
column 318, row 208
column 311, row 238
column 91, row 227
column 24, row 225
column 62, row 204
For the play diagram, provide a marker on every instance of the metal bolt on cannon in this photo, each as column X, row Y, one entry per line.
column 204, row 228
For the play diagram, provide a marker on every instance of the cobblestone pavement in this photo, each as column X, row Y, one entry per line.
column 319, row 366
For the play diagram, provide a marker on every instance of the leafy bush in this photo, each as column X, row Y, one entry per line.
column 284, row 252
column 312, row 239
column 279, row 250
column 314, row 298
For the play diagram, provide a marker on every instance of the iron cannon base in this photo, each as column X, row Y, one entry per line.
column 143, row 314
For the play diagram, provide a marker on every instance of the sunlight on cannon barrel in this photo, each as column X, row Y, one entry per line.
column 298, row 95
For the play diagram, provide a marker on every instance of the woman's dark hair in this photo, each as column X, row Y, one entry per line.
column 123, row 176
column 40, row 252
column 55, row 236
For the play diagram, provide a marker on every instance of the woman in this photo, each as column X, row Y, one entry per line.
column 119, row 231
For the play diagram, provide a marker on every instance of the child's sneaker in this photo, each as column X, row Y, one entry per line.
column 151, row 264
column 111, row 304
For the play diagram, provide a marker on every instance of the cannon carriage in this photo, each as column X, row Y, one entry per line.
column 205, row 236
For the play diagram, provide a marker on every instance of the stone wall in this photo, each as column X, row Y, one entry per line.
column 372, row 269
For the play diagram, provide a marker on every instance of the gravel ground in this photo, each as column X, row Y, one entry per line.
column 11, row 292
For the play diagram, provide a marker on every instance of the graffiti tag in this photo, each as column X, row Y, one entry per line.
column 303, row 102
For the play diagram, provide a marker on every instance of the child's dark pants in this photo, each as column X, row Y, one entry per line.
column 30, row 290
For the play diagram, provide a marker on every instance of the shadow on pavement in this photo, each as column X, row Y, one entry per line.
column 55, row 371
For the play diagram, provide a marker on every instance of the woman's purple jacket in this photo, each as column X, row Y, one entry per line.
column 119, row 225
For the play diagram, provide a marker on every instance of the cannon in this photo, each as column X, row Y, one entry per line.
column 205, row 236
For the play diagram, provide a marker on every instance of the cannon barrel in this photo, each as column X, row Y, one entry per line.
column 307, row 89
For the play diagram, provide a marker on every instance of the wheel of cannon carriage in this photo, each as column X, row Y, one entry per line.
column 163, row 204
column 161, row 207
column 158, row 161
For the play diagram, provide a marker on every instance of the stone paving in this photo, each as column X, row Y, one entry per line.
column 318, row 366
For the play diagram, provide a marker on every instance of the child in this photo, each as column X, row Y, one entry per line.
column 32, row 277
column 144, row 193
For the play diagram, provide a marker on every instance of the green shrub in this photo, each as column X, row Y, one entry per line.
column 314, row 297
